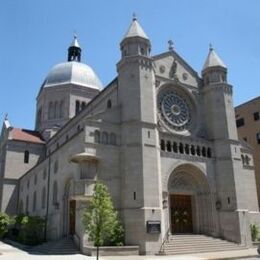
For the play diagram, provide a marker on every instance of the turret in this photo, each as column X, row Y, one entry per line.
column 137, row 98
column 214, row 69
column 135, row 41
column 218, row 103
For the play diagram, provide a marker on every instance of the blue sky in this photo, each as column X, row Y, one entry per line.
column 35, row 36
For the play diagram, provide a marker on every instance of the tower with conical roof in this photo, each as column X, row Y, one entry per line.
column 222, row 131
column 218, row 98
column 139, row 139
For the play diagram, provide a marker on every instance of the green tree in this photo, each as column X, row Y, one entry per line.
column 101, row 220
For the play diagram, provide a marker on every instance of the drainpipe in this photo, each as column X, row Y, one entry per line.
column 48, row 198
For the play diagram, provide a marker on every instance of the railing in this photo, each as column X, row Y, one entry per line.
column 165, row 239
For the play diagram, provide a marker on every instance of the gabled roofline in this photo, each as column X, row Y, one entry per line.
column 174, row 53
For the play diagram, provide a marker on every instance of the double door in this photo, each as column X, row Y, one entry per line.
column 181, row 214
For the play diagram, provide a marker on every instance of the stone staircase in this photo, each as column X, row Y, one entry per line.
column 186, row 244
column 64, row 246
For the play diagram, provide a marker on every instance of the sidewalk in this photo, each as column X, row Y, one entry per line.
column 203, row 256
column 9, row 252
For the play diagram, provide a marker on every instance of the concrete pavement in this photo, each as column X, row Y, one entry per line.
column 10, row 252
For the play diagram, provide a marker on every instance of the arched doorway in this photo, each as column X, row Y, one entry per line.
column 190, row 201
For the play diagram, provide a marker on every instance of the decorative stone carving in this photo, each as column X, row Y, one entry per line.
column 185, row 76
column 173, row 69
column 162, row 69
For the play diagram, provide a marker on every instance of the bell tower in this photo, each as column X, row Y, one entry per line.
column 139, row 139
column 220, row 118
column 221, row 130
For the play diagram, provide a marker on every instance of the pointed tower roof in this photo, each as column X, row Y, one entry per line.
column 75, row 42
column 135, row 29
column 213, row 60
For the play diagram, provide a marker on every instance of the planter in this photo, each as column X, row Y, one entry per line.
column 111, row 250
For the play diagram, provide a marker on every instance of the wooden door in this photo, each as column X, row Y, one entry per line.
column 72, row 217
column 181, row 214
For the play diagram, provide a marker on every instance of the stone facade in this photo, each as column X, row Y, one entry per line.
column 162, row 138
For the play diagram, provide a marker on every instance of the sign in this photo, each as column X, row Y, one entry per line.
column 153, row 227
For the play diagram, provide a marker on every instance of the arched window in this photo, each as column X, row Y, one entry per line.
column 35, row 179
column 209, row 152
column 192, row 150
column 109, row 103
column 203, row 151
column 39, row 117
column 247, row 159
column 112, row 139
column 77, row 107
column 105, row 138
column 34, row 200
column 83, row 105
column 21, row 207
column 181, row 149
column 56, row 166
column 198, row 150
column 162, row 145
column 26, row 157
column 27, row 205
column 56, row 109
column 44, row 174
column 243, row 159
column 168, row 146
column 61, row 110
column 187, row 149
column 43, row 197
column 97, row 136
column 175, row 147
column 51, row 111
column 55, row 193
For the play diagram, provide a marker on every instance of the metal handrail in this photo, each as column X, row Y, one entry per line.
column 165, row 239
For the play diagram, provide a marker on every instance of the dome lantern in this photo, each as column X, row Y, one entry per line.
column 74, row 51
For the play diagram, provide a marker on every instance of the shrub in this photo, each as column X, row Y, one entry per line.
column 254, row 231
column 31, row 229
column 5, row 222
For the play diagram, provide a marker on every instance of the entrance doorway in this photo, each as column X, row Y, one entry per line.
column 181, row 214
column 72, row 216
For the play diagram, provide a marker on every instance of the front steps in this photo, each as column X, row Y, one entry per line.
column 186, row 244
column 64, row 246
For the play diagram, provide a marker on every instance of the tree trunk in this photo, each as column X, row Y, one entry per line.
column 97, row 252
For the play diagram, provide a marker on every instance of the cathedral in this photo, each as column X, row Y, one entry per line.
column 161, row 136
